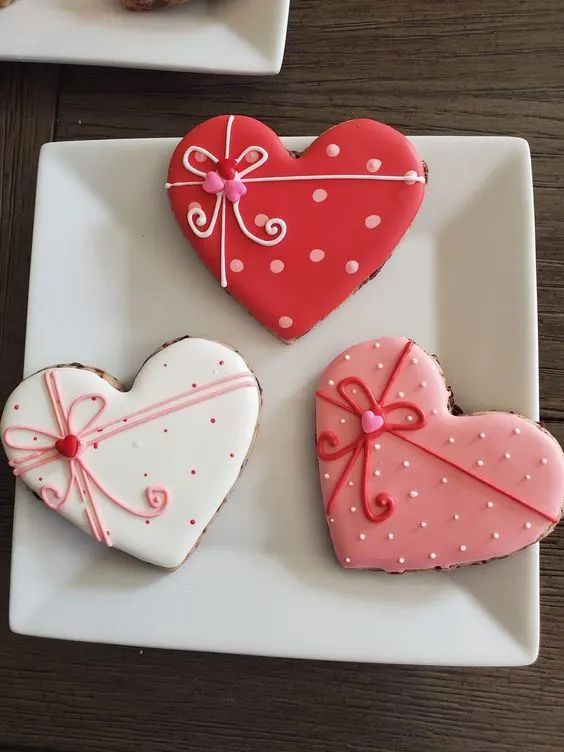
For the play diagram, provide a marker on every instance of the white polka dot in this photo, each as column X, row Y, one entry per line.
column 380, row 365
column 351, row 483
column 451, row 439
column 507, row 456
column 544, row 461
column 261, row 220
column 373, row 165
column 413, row 494
column 517, row 431
column 353, row 509
column 199, row 156
column 316, row 255
column 495, row 536
column 285, row 322
column 347, row 357
column 354, row 391
column 528, row 525
column 331, row 382
column 414, row 361
column 401, row 394
column 331, row 519
column 333, row 150
column 432, row 556
column 377, row 446
column 276, row 266
column 422, row 523
column 236, row 265
column 401, row 560
column 252, row 157
column 434, row 411
column 347, row 560
column 376, row 344
column 372, row 221
column 422, row 384
column 444, row 480
column 362, row 536
column 342, row 420
column 490, row 504
column 319, row 195
column 405, row 463
column 351, row 267
column 480, row 463
column 409, row 418
column 462, row 547
column 390, row 536
column 194, row 205
column 377, row 473
column 528, row 476
column 326, row 476
column 455, row 516
column 410, row 174
column 482, row 435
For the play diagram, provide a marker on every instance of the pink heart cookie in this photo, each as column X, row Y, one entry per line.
column 407, row 485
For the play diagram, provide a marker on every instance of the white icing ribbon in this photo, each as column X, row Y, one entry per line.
column 275, row 227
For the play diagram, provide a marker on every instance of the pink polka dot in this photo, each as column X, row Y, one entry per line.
column 410, row 174
column 261, row 220
column 351, row 267
column 276, row 266
column 373, row 165
column 194, row 205
column 236, row 265
column 285, row 322
column 333, row 150
column 316, row 255
column 319, row 195
column 372, row 221
column 252, row 157
column 199, row 156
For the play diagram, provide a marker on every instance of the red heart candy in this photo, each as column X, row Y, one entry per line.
column 308, row 232
column 68, row 446
column 428, row 489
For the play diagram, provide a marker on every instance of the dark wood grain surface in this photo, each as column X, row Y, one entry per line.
column 440, row 66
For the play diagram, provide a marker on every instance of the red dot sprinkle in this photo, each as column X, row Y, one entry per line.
column 192, row 472
column 93, row 399
column 16, row 407
column 95, row 445
column 192, row 522
column 125, row 420
column 165, row 430
column 221, row 362
column 145, row 475
column 194, row 386
column 164, row 364
column 35, row 438
column 147, row 522
column 40, row 479
column 231, row 454
column 212, row 420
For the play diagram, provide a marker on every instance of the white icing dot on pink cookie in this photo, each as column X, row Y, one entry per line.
column 362, row 536
column 401, row 560
column 199, row 156
column 455, row 516
column 413, row 494
column 527, row 476
column 489, row 504
column 347, row 560
column 390, row 536
column 409, row 175
column 236, row 265
column 316, row 255
column 319, row 195
column 544, row 461
column 373, row 165
column 496, row 536
column 261, row 220
column 528, row 525
column 372, row 221
column 276, row 266
column 351, row 267
column 379, row 365
column 252, row 157
column 462, row 547
column 353, row 509
column 333, row 150
column 434, row 411
column 285, row 322
column 432, row 555
column 405, row 463
column 516, row 431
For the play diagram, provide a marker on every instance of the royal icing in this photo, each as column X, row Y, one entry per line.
column 432, row 490
column 145, row 470
column 278, row 231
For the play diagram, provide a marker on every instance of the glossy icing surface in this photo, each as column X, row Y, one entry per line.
column 409, row 486
column 292, row 238
column 143, row 470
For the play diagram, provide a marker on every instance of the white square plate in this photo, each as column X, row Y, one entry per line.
column 112, row 279
column 217, row 36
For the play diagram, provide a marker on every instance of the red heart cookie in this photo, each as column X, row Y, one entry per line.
column 407, row 485
column 291, row 238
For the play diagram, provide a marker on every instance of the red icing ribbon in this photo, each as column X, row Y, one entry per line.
column 72, row 442
column 373, row 423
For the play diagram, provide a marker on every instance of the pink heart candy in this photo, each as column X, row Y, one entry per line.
column 213, row 183
column 371, row 422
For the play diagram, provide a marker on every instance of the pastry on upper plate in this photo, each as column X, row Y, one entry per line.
column 150, row 4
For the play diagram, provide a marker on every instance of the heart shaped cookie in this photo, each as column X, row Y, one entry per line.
column 291, row 238
column 145, row 470
column 407, row 485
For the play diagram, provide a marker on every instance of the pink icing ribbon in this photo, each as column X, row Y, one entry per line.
column 228, row 182
column 72, row 442
column 375, row 421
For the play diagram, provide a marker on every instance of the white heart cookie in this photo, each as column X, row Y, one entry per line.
column 143, row 470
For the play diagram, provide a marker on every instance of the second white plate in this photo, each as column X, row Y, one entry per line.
column 112, row 279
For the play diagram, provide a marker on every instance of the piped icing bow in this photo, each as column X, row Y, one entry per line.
column 76, row 437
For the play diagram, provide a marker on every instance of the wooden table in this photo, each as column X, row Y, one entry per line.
column 480, row 67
